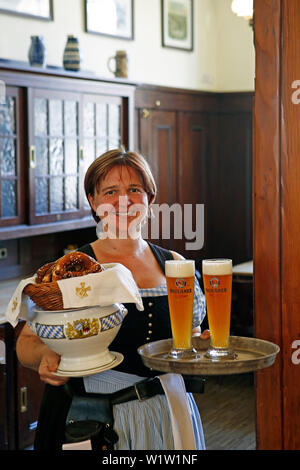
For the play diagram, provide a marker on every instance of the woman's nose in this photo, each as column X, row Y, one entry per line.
column 123, row 201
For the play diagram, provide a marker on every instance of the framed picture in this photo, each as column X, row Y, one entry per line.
column 41, row 9
column 109, row 18
column 178, row 24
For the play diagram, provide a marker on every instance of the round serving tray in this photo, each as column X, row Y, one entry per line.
column 252, row 354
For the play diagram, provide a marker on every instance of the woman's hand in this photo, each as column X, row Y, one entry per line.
column 205, row 334
column 197, row 332
column 49, row 364
column 33, row 353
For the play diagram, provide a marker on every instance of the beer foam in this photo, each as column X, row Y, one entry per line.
column 180, row 268
column 219, row 267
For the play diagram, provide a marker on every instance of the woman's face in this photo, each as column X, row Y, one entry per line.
column 121, row 202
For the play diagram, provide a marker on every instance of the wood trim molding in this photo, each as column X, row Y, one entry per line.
column 267, row 220
column 290, row 222
column 276, row 219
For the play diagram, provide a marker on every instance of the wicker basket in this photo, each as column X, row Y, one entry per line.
column 46, row 295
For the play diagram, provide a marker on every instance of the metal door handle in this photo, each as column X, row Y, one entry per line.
column 23, row 399
column 145, row 113
column 32, row 156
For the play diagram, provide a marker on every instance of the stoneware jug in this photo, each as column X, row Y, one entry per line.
column 72, row 59
column 121, row 64
column 37, row 52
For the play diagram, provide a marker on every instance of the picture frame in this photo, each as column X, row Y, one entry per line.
column 38, row 9
column 177, row 21
column 113, row 18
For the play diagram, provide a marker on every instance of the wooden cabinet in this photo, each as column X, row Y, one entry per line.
column 52, row 126
column 20, row 395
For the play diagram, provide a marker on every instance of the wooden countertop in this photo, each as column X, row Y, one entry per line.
column 243, row 269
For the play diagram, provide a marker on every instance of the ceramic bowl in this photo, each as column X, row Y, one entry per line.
column 81, row 336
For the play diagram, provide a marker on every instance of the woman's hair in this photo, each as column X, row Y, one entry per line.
column 98, row 170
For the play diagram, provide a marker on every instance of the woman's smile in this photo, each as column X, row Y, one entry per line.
column 121, row 200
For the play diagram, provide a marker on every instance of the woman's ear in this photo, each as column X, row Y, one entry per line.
column 91, row 201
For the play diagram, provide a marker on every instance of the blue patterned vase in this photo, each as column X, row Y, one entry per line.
column 71, row 59
column 37, row 52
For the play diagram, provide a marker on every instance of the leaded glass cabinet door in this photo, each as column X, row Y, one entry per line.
column 54, row 156
column 11, row 158
column 101, row 128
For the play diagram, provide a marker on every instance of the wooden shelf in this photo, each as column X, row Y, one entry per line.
column 60, row 72
column 22, row 231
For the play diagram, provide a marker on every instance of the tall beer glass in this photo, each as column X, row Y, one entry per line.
column 217, row 278
column 180, row 275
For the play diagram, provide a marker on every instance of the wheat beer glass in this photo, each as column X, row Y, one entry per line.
column 180, row 275
column 217, row 278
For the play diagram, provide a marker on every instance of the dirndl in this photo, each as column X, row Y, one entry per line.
column 140, row 425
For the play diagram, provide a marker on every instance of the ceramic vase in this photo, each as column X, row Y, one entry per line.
column 37, row 52
column 71, row 59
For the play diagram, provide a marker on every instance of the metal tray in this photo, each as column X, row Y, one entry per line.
column 252, row 354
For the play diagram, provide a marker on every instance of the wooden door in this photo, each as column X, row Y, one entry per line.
column 3, row 407
column 159, row 146
column 276, row 219
column 12, row 158
column 54, row 158
column 194, row 182
column 232, row 189
column 29, row 396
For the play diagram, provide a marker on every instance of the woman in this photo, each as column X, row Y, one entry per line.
column 120, row 187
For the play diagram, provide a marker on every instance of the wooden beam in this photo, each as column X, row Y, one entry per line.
column 290, row 216
column 267, row 218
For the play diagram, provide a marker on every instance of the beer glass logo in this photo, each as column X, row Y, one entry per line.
column 180, row 283
column 214, row 282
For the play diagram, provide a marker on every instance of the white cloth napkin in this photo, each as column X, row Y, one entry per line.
column 19, row 306
column 182, row 426
column 113, row 285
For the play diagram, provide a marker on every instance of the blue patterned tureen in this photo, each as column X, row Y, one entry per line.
column 81, row 337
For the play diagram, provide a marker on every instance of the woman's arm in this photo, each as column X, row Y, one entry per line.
column 34, row 354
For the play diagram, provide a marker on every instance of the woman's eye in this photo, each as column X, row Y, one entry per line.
column 135, row 190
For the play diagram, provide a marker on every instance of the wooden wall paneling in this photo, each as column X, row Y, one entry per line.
column 158, row 145
column 290, row 214
column 266, row 218
column 232, row 189
column 193, row 173
column 224, row 174
column 175, row 99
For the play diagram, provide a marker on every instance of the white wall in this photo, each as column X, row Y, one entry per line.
column 222, row 58
column 236, row 52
